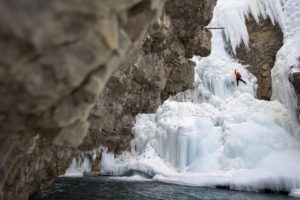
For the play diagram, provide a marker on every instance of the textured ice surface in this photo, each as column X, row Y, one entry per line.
column 78, row 167
column 232, row 14
column 295, row 193
column 286, row 57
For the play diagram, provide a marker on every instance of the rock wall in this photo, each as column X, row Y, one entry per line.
column 159, row 69
column 265, row 40
column 56, row 57
column 294, row 78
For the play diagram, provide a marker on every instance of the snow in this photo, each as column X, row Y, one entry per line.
column 286, row 57
column 295, row 193
column 218, row 133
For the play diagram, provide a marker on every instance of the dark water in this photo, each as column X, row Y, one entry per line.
column 95, row 188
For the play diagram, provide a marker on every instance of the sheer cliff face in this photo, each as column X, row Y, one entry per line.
column 159, row 69
column 56, row 57
column 265, row 40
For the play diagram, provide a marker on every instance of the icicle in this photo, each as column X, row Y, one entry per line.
column 232, row 14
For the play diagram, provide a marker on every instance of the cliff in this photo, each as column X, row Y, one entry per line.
column 56, row 57
column 161, row 68
column 265, row 39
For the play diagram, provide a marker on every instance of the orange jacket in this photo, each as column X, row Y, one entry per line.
column 237, row 75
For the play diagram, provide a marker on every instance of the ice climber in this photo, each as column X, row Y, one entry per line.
column 238, row 77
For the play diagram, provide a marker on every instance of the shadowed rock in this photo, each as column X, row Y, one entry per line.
column 265, row 40
column 56, row 57
column 161, row 68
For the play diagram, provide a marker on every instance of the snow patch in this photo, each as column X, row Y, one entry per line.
column 295, row 193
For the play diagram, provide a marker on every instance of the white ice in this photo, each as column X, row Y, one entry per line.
column 232, row 15
column 78, row 167
column 295, row 193
column 286, row 57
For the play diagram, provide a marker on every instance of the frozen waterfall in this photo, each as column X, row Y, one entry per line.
column 286, row 57
column 218, row 133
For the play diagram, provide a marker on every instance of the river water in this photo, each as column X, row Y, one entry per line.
column 96, row 188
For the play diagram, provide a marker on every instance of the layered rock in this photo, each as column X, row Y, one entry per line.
column 56, row 57
column 265, row 40
column 161, row 68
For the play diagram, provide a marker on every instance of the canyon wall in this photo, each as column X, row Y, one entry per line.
column 161, row 68
column 265, row 39
column 56, row 57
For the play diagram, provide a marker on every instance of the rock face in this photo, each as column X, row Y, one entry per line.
column 56, row 57
column 265, row 40
column 294, row 78
column 161, row 68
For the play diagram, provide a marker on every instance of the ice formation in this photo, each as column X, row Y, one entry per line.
column 286, row 57
column 295, row 193
column 218, row 133
column 232, row 15
column 81, row 164
column 78, row 167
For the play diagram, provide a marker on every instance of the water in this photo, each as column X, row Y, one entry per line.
column 96, row 188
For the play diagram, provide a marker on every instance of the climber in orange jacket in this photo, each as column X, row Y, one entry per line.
column 238, row 77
